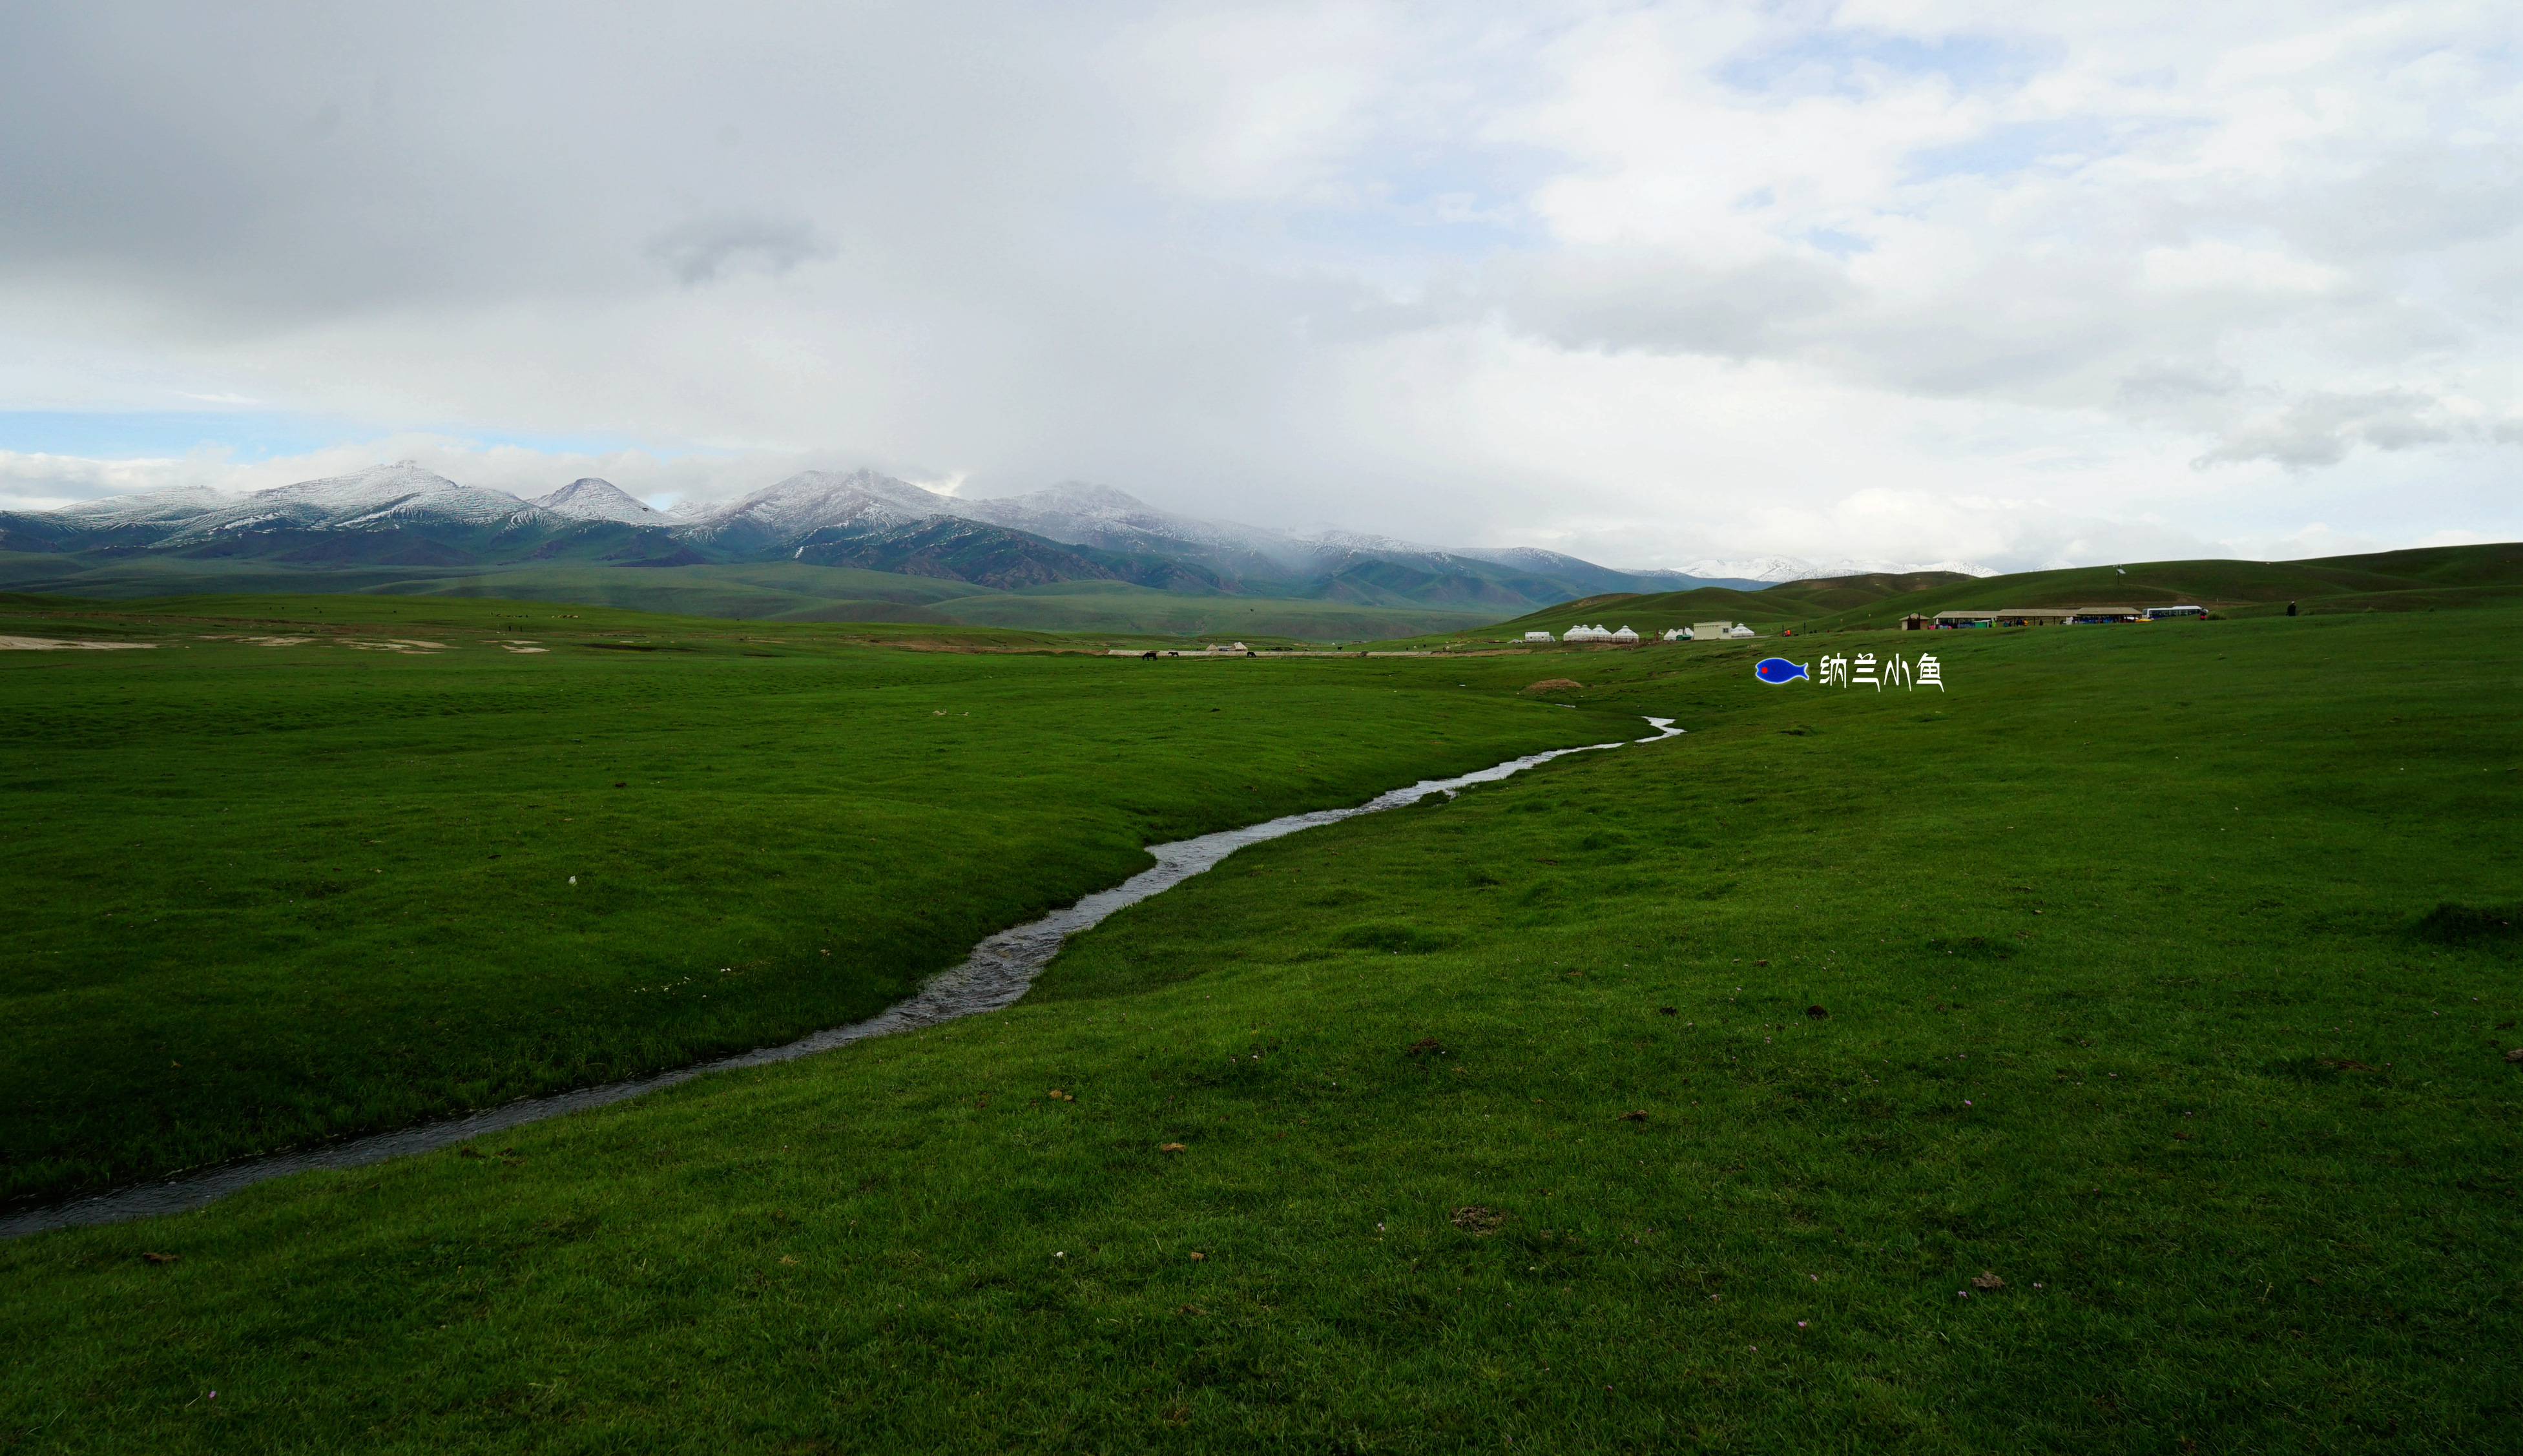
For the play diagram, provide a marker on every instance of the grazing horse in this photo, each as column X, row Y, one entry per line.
column 1150, row 656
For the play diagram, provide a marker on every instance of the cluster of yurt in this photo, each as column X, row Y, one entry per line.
column 1597, row 634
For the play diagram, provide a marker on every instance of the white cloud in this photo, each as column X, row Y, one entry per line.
column 1886, row 279
column 2320, row 429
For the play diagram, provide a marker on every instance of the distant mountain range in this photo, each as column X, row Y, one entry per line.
column 404, row 516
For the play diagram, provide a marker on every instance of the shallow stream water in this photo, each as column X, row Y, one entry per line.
column 995, row 976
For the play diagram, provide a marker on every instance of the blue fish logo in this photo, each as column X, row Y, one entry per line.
column 1778, row 670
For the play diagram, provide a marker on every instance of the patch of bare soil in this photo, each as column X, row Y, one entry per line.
column 60, row 644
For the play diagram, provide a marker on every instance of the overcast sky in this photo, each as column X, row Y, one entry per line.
column 1652, row 283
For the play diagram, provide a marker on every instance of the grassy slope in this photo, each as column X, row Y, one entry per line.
column 2124, row 1007
column 758, row 591
column 1651, row 614
column 485, row 618
column 2391, row 581
column 262, row 895
column 1145, row 612
column 778, row 590
column 2421, row 580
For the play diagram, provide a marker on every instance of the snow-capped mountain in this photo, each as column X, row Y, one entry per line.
column 785, row 513
column 166, row 507
column 379, row 497
column 588, row 499
column 1363, row 544
column 403, row 514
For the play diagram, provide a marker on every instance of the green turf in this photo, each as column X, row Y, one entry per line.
column 768, row 591
column 1144, row 611
column 2140, row 995
column 262, row 895
column 2424, row 580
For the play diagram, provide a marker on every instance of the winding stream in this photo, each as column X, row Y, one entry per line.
column 993, row 977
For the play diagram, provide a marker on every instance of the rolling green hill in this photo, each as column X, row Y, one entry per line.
column 1139, row 611
column 2433, row 577
column 465, row 834
column 1651, row 614
column 779, row 591
column 2105, row 1053
column 2417, row 579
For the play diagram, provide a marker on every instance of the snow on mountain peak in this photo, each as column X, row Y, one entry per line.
column 814, row 499
column 148, row 507
column 589, row 498
column 1361, row 543
column 377, row 497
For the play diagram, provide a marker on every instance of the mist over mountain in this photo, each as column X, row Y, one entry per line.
column 1776, row 569
column 865, row 520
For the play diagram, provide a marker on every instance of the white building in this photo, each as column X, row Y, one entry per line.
column 1626, row 635
column 1537, row 637
column 1677, row 635
column 1581, row 633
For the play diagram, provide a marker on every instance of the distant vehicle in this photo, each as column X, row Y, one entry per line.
column 2174, row 614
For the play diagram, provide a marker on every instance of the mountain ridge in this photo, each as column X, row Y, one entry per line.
column 1074, row 531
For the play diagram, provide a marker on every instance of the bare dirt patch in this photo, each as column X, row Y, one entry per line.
column 58, row 644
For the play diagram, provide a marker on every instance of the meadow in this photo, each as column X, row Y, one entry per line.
column 2104, row 1052
column 2422, row 580
column 767, row 592
column 302, row 869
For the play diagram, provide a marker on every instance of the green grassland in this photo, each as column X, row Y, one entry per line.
column 1789, row 604
column 2103, row 1054
column 309, row 866
column 2414, row 580
column 1111, row 607
column 768, row 591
